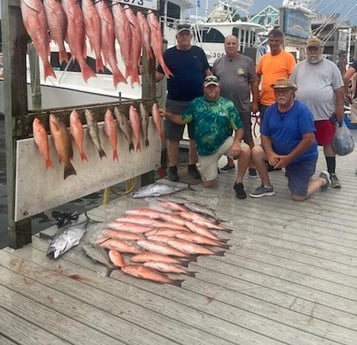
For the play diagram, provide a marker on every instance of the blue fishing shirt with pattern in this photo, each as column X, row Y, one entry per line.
column 213, row 122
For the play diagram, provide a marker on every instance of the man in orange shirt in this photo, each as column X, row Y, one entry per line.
column 277, row 64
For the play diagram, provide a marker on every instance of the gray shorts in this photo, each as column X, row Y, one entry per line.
column 173, row 131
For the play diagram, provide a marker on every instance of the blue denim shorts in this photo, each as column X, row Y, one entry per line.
column 299, row 175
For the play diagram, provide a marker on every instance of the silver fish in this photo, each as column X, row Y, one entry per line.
column 66, row 239
column 94, row 132
column 157, row 189
column 144, row 117
column 100, row 255
column 124, row 126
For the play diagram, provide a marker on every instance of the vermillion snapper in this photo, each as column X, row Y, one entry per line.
column 110, row 129
column 135, row 125
column 76, row 36
column 77, row 132
column 123, row 35
column 156, row 42
column 108, row 39
column 92, row 30
column 57, row 25
column 144, row 117
column 41, row 139
column 35, row 22
column 63, row 144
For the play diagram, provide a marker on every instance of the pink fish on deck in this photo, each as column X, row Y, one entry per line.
column 41, row 139
column 136, row 126
column 156, row 41
column 157, row 120
column 135, row 44
column 92, row 30
column 123, row 35
column 110, row 130
column 57, row 25
column 76, row 36
column 77, row 132
column 108, row 41
column 145, row 34
column 35, row 22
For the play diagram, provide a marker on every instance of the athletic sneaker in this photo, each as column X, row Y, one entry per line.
column 325, row 175
column 262, row 191
column 226, row 168
column 252, row 173
column 335, row 182
column 240, row 192
column 172, row 174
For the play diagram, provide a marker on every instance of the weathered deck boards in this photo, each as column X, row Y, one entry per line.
column 290, row 277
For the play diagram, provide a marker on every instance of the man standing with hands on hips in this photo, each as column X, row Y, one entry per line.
column 213, row 118
column 189, row 67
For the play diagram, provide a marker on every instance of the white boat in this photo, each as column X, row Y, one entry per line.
column 69, row 88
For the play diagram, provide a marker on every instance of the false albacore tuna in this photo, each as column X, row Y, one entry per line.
column 66, row 239
column 158, row 189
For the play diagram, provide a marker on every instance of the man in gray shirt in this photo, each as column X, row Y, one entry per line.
column 239, row 83
column 320, row 87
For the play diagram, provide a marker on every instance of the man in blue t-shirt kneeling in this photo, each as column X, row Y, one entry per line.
column 288, row 141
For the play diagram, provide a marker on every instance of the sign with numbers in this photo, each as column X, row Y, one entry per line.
column 150, row 4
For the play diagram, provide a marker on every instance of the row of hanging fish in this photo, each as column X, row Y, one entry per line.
column 133, row 128
column 154, row 243
column 102, row 25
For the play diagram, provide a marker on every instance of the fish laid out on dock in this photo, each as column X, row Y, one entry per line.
column 158, row 189
column 157, row 244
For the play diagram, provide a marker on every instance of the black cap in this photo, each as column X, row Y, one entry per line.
column 183, row 27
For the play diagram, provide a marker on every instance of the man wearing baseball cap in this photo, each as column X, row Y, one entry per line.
column 189, row 66
column 321, row 88
column 213, row 118
column 288, row 141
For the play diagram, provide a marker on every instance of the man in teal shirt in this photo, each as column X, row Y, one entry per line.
column 213, row 118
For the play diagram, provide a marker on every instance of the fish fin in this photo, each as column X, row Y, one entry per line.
column 83, row 156
column 147, row 142
column 190, row 273
column 63, row 56
column 118, row 78
column 227, row 230
column 219, row 253
column 101, row 153
column 131, row 146
column 224, row 240
column 138, row 146
column 99, row 64
column 49, row 72
column 177, row 282
column 87, row 72
column 49, row 163
column 69, row 170
column 115, row 155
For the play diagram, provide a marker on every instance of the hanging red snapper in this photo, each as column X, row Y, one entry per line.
column 63, row 145
column 35, row 22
